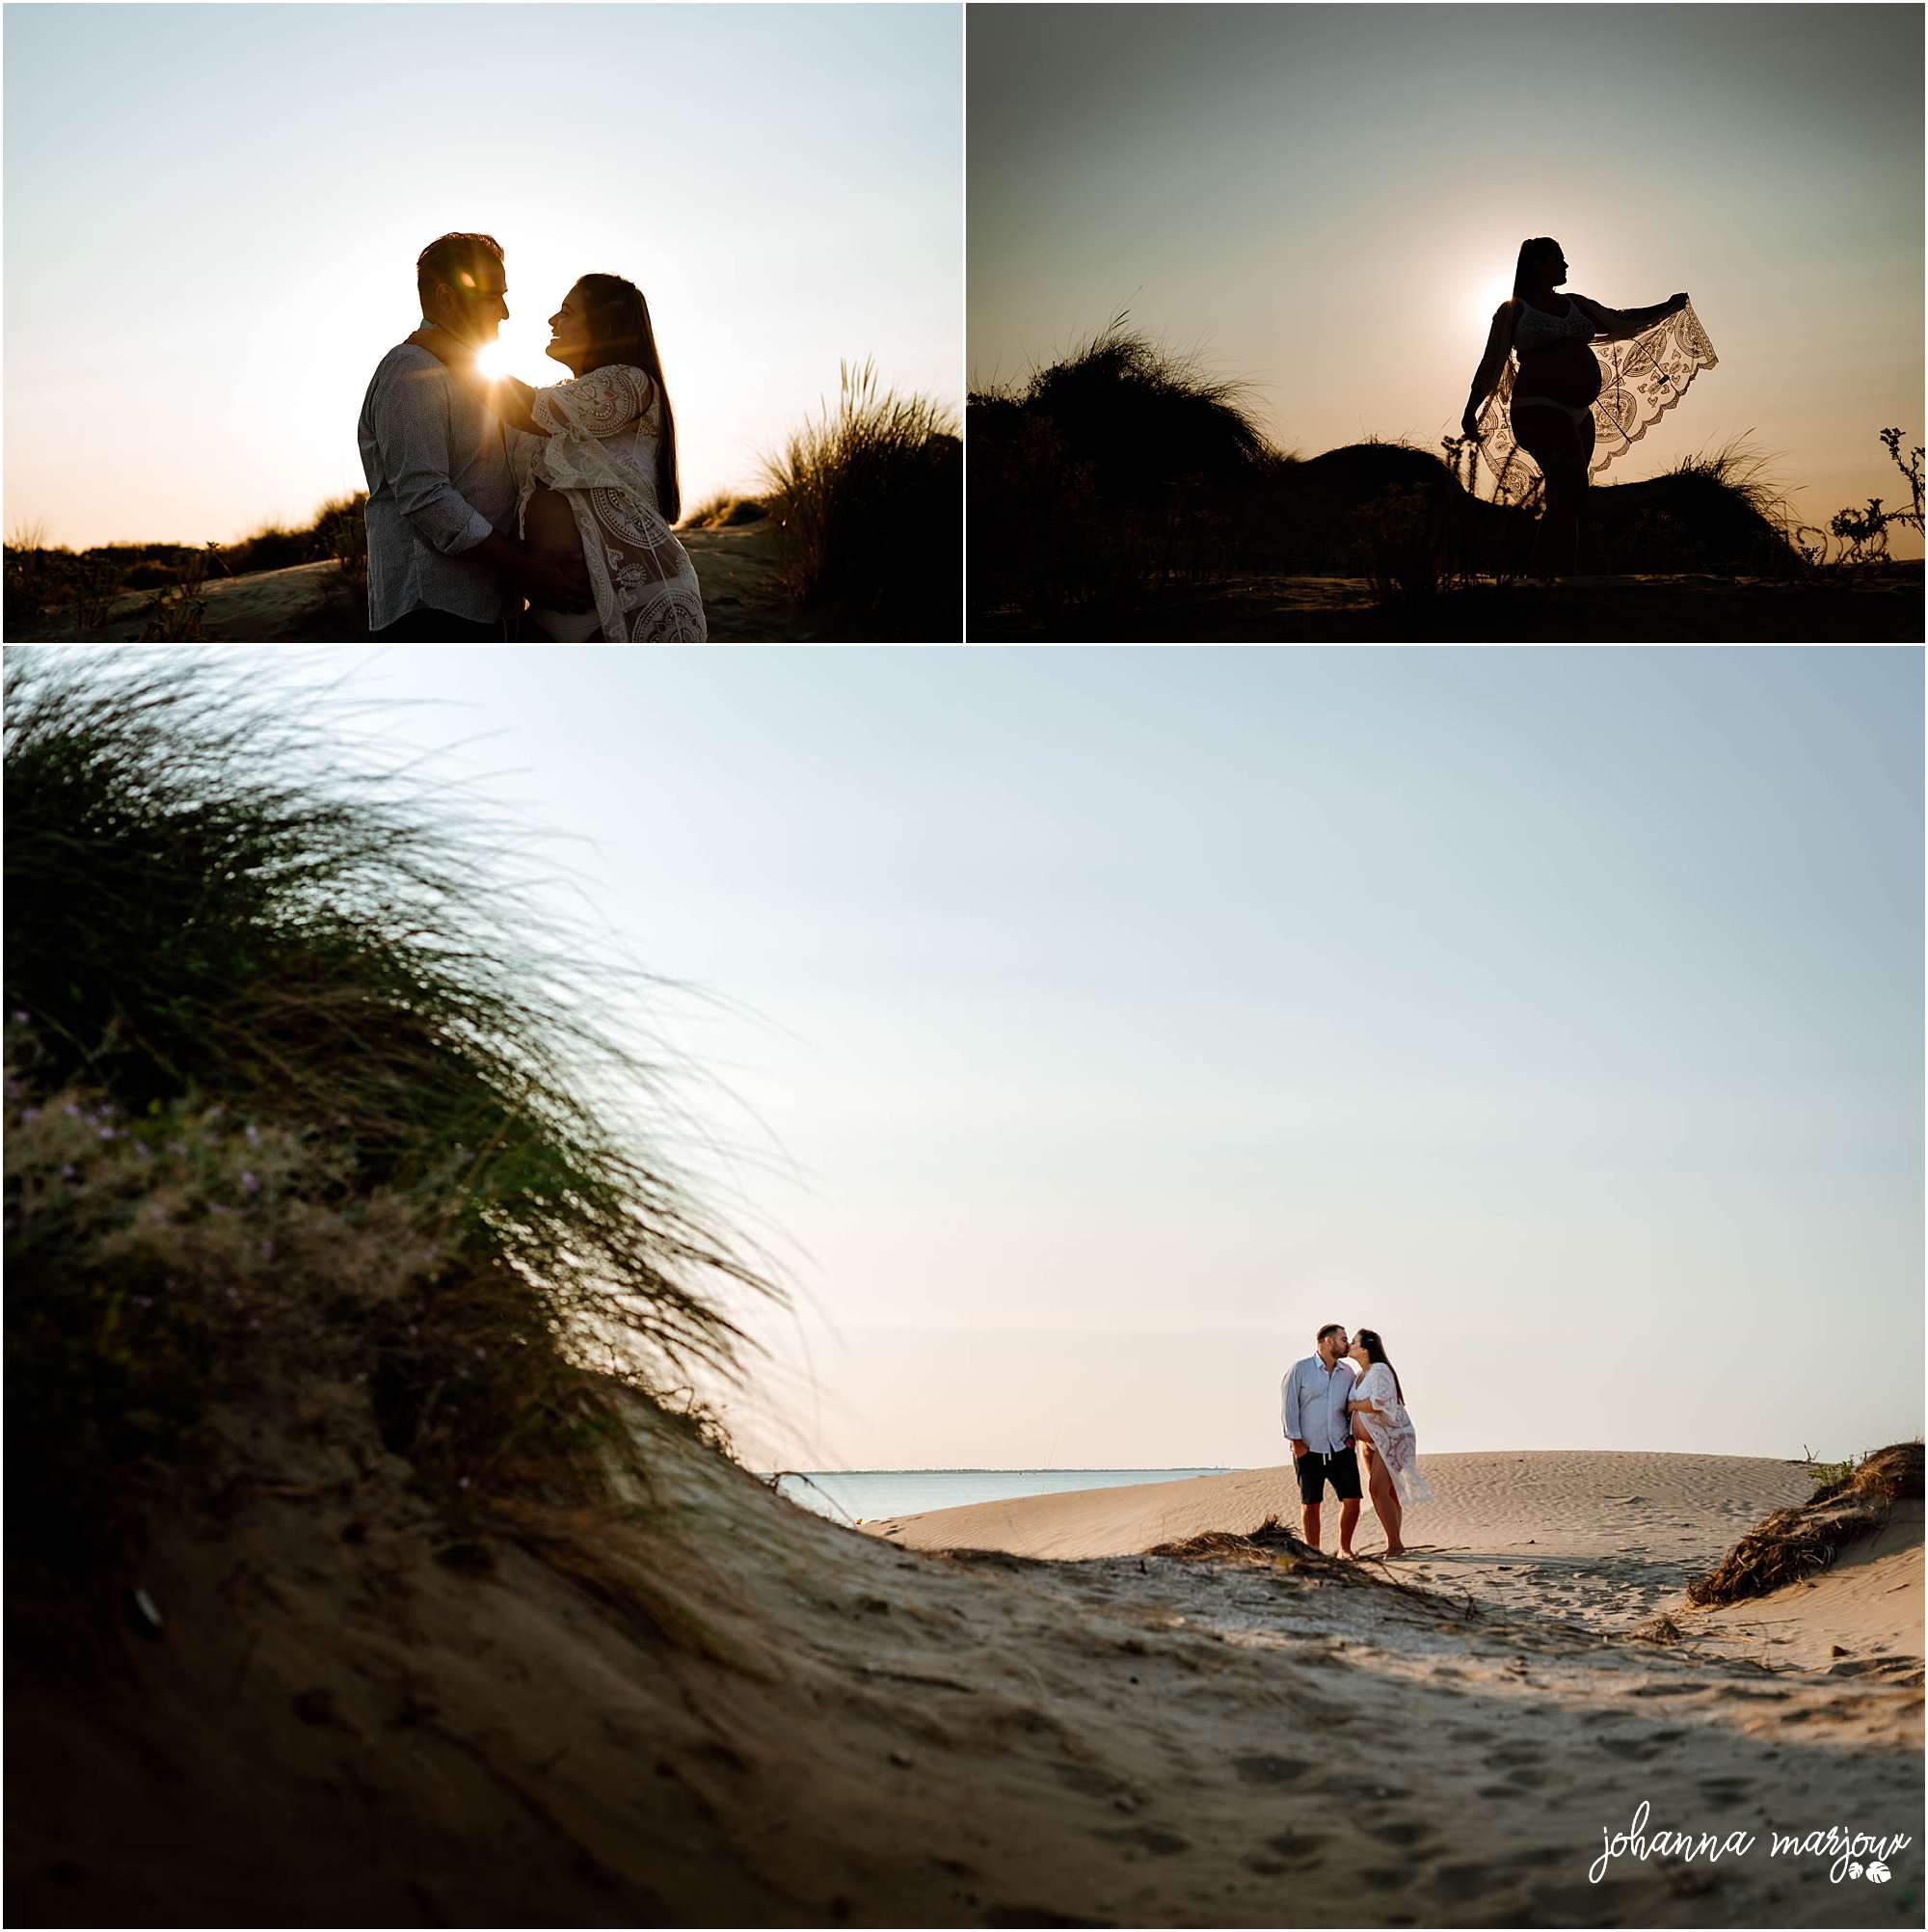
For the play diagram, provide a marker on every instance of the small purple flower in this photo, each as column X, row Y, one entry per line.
column 70, row 1172
column 481, row 1354
column 143, row 1300
column 253, row 1135
column 248, row 1181
column 72, row 1111
column 142, row 1151
column 107, row 1132
column 32, row 1114
column 22, row 1017
column 233, row 1294
column 156, row 1211
column 177, row 1147
column 267, row 1250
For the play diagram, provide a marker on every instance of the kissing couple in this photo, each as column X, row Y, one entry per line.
column 482, row 494
column 1344, row 1402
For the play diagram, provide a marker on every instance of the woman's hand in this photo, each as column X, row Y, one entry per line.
column 1676, row 303
column 1469, row 425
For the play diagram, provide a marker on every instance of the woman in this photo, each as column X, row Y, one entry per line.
column 596, row 466
column 1563, row 398
column 1385, row 1435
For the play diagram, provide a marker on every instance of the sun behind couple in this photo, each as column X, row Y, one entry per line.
column 481, row 492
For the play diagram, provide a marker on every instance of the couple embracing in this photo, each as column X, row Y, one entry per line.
column 1341, row 1402
column 482, row 494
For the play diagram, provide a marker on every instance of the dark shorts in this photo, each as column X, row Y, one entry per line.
column 423, row 626
column 1341, row 1469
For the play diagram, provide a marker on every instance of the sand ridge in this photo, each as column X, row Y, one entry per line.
column 742, row 1713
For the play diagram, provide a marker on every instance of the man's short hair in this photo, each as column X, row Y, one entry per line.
column 447, row 256
column 1330, row 1329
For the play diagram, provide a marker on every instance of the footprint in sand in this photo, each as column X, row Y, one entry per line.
column 1269, row 1770
column 1403, row 1831
column 1147, row 1838
column 1289, row 1849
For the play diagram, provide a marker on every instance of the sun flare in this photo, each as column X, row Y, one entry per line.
column 493, row 360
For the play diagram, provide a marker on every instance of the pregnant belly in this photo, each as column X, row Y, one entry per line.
column 1568, row 372
column 548, row 524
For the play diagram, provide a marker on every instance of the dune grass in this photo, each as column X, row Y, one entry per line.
column 1794, row 1543
column 81, row 585
column 726, row 510
column 299, row 1083
column 869, row 502
column 1125, row 469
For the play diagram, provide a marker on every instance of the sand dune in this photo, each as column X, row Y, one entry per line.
column 1589, row 1532
column 311, row 604
column 725, row 1710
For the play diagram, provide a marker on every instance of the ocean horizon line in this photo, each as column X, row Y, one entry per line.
column 1020, row 1469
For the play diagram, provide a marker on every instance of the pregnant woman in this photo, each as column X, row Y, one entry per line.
column 1385, row 1435
column 596, row 468
column 1565, row 401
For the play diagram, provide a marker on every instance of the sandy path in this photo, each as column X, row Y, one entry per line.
column 1599, row 1537
column 743, row 601
column 743, row 1714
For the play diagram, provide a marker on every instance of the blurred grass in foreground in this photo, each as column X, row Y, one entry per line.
column 302, row 1094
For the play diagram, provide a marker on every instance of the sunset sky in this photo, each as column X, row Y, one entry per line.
column 213, row 215
column 1329, row 201
column 1087, row 1026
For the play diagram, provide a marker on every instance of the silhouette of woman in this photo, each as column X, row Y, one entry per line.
column 1570, row 409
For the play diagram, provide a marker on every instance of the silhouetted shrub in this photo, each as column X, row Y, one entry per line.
column 869, row 502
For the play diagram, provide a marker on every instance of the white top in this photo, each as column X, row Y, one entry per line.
column 599, row 442
column 618, row 407
column 1518, row 325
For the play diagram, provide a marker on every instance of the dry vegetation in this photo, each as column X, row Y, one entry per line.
column 1793, row 1543
column 1122, row 478
column 78, row 586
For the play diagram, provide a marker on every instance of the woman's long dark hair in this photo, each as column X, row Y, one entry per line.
column 620, row 331
column 1530, row 252
column 1368, row 1339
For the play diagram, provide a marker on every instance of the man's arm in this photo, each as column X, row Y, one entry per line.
column 410, row 420
column 1294, row 1433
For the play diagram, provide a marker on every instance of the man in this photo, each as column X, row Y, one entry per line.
column 441, row 498
column 1319, row 1431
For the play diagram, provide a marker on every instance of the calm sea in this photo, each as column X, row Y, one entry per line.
column 866, row 1495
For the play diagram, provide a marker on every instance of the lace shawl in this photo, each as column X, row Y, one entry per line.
column 646, row 587
column 1392, row 1434
column 1643, row 373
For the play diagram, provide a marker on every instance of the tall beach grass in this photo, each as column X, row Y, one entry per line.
column 868, row 500
column 301, row 1085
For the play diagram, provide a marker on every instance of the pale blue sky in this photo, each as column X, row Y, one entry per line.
column 1128, row 1015
column 213, row 215
column 1329, row 201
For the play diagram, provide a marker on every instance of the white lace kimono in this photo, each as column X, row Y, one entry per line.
column 600, row 452
column 1644, row 372
column 1392, row 1434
